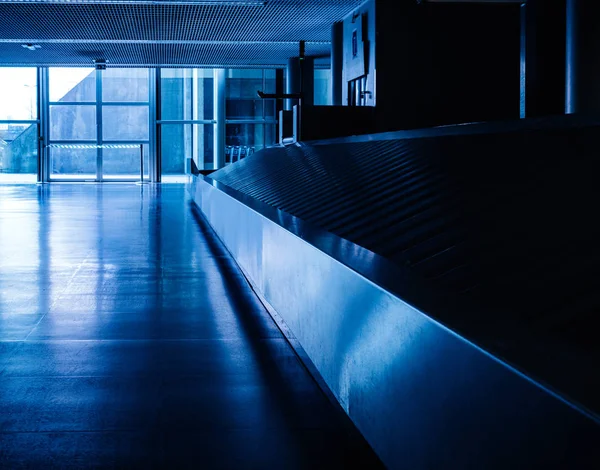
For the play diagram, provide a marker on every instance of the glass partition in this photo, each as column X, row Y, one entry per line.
column 95, row 108
column 80, row 115
column 186, row 121
column 323, row 92
column 124, row 163
column 18, row 152
column 128, row 123
column 250, row 120
column 73, row 163
column 182, row 143
column 18, row 94
column 187, row 94
column 18, row 124
column 72, row 122
column 125, row 85
column 72, row 85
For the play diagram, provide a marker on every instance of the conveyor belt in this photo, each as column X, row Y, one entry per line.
column 504, row 222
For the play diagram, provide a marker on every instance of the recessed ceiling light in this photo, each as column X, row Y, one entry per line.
column 31, row 47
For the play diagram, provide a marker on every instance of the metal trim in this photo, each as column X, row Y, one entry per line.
column 86, row 141
column 125, row 103
column 44, row 94
column 157, row 112
column 153, row 143
column 250, row 121
column 40, row 143
column 187, row 121
column 72, row 103
column 219, row 113
column 99, row 129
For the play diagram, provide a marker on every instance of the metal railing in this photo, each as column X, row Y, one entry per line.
column 234, row 153
column 106, row 146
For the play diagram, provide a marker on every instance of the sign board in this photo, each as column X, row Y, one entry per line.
column 355, row 46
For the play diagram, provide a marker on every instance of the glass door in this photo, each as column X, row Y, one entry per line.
column 98, row 119
column 73, row 129
column 124, row 113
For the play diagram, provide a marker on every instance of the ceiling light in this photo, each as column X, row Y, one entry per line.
column 31, row 47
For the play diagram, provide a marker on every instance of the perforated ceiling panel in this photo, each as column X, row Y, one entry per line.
column 166, row 33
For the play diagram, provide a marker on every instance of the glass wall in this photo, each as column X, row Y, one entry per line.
column 125, row 121
column 182, row 143
column 250, row 121
column 72, row 120
column 186, row 121
column 95, row 121
column 89, row 109
column 18, row 124
column 323, row 92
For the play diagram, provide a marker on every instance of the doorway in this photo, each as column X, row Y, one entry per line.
column 98, row 124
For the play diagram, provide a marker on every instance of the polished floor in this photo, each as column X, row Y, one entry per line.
column 129, row 339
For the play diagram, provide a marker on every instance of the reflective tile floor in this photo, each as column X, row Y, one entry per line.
column 129, row 339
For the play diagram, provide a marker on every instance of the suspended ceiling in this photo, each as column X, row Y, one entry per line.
column 166, row 33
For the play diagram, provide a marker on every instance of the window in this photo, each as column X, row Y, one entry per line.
column 99, row 120
column 72, row 85
column 125, row 85
column 72, row 122
column 120, row 163
column 18, row 152
column 186, row 120
column 18, row 124
column 250, row 120
column 186, row 94
column 18, row 94
column 182, row 143
column 119, row 116
column 125, row 123
column 323, row 87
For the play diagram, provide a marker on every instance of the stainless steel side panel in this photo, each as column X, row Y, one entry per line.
column 421, row 395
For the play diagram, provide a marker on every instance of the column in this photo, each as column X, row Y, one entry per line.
column 300, row 77
column 219, row 104
column 337, row 62
column 153, row 154
column 583, row 57
column 543, row 29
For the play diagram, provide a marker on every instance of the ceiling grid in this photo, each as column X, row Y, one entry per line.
column 207, row 33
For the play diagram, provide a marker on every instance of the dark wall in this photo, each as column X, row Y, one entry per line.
column 443, row 64
column 583, row 53
column 543, row 53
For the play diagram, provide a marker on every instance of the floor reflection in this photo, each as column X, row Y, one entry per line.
column 129, row 338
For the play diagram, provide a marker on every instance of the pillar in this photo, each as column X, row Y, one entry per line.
column 582, row 58
column 337, row 62
column 300, row 78
column 543, row 29
column 219, row 105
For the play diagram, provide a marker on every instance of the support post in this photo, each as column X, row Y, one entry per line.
column 300, row 78
column 44, row 127
column 219, row 104
column 543, row 29
column 141, row 163
column 582, row 72
column 153, row 151
column 337, row 62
